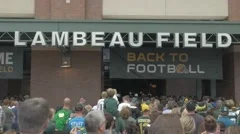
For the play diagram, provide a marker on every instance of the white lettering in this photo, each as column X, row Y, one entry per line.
column 171, row 68
column 188, row 37
column 9, row 58
column 161, row 67
column 6, row 58
column 132, row 42
column 117, row 40
column 130, row 67
column 220, row 43
column 96, row 40
column 199, row 70
column 2, row 59
column 79, row 36
column 176, row 42
column 57, row 40
column 190, row 70
column 141, row 68
column 160, row 38
column 39, row 35
column 17, row 41
column 153, row 70
column 204, row 41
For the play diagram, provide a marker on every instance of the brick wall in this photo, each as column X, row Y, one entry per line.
column 233, row 10
column 237, row 76
column 225, row 87
column 50, row 81
column 76, row 9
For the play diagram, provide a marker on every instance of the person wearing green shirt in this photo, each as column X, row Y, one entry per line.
column 144, row 121
column 62, row 116
column 110, row 104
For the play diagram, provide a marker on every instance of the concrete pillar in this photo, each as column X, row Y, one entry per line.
column 199, row 89
column 213, row 88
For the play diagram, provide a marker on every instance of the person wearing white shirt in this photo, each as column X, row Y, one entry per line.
column 115, row 96
column 100, row 104
column 125, row 103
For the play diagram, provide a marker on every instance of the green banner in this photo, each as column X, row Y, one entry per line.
column 167, row 63
column 11, row 63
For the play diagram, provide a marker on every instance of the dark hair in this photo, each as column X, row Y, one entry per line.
column 190, row 107
column 132, row 128
column 79, row 107
column 109, row 120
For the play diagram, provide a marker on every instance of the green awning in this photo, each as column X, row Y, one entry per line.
column 146, row 26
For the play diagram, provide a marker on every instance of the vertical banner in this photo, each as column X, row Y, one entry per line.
column 11, row 63
column 167, row 63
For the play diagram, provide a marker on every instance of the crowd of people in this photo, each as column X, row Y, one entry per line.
column 115, row 114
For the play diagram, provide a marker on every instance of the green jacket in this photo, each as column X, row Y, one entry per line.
column 111, row 107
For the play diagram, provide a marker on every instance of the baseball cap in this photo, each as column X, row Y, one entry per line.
column 145, row 107
column 79, row 107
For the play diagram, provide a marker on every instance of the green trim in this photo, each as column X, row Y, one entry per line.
column 148, row 26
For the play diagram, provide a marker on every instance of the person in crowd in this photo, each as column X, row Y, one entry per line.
column 115, row 96
column 144, row 103
column 188, row 123
column 217, row 111
column 199, row 120
column 109, row 124
column 125, row 103
column 78, row 120
column 95, row 122
column 8, row 114
column 2, row 119
column 15, row 111
column 170, row 105
column 82, row 101
column 33, row 116
column 155, row 105
column 220, row 128
column 210, row 125
column 136, row 111
column 125, row 113
column 110, row 104
column 201, row 109
column 12, row 104
column 166, row 124
column 26, row 97
column 132, row 129
column 88, row 108
column 233, row 130
column 144, row 120
column 51, row 124
column 120, row 126
column 206, row 100
column 100, row 103
column 154, row 114
column 62, row 116
column 224, row 117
